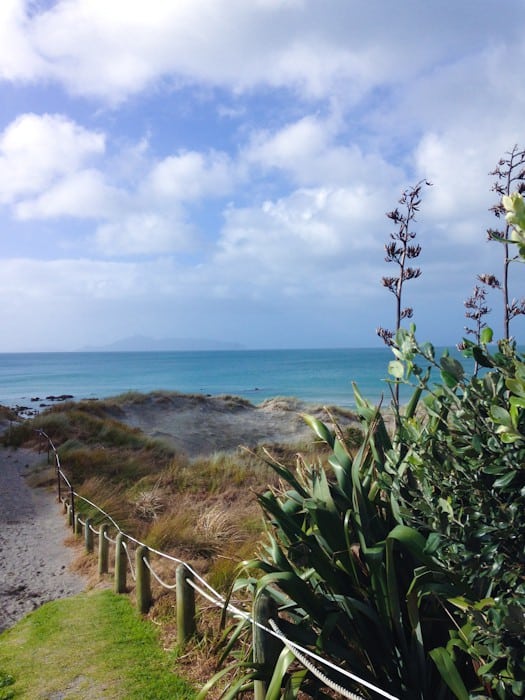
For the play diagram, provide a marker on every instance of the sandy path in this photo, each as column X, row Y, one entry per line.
column 33, row 558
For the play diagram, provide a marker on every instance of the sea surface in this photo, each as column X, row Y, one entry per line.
column 318, row 376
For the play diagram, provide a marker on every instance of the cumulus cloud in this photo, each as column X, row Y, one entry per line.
column 311, row 151
column 83, row 194
column 146, row 232
column 37, row 150
column 19, row 59
column 286, row 243
column 113, row 50
column 190, row 176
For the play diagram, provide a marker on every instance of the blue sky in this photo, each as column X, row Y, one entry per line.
column 221, row 168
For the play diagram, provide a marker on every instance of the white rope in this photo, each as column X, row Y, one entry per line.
column 204, row 594
column 99, row 509
column 328, row 682
column 109, row 539
column 133, row 575
column 157, row 577
column 246, row 616
column 178, row 561
column 63, row 475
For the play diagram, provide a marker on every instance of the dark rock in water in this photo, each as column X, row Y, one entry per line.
column 62, row 397
column 36, row 398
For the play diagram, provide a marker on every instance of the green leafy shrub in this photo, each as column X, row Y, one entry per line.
column 464, row 482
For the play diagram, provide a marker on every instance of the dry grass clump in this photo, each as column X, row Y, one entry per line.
column 8, row 414
column 150, row 502
column 219, row 526
column 281, row 403
column 110, row 498
column 198, row 529
column 234, row 401
column 214, row 474
column 173, row 531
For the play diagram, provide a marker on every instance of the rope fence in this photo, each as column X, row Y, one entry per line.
column 188, row 582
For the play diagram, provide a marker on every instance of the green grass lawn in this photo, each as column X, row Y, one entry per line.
column 94, row 645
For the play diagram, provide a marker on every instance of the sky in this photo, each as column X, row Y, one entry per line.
column 221, row 169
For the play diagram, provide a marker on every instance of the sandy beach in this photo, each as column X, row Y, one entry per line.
column 34, row 561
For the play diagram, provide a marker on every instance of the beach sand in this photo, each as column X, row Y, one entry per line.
column 34, row 562
column 199, row 425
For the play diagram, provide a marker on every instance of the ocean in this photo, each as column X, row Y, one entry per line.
column 318, row 376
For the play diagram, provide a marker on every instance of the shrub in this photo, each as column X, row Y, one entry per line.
column 464, row 482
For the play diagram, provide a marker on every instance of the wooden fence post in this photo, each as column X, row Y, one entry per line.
column 88, row 536
column 266, row 647
column 143, row 582
column 120, row 565
column 185, row 605
column 72, row 503
column 77, row 527
column 59, row 488
column 103, row 549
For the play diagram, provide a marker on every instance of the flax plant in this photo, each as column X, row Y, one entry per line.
column 476, row 310
column 510, row 177
column 401, row 251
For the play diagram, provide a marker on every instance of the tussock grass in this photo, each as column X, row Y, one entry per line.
column 219, row 473
column 174, row 530
column 112, row 498
column 7, row 413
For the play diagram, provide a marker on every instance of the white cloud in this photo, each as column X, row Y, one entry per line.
column 451, row 162
column 292, row 146
column 309, row 151
column 191, row 176
column 300, row 240
column 19, row 59
column 143, row 233
column 68, row 278
column 83, row 194
column 37, row 150
column 113, row 50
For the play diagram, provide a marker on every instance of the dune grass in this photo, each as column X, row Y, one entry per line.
column 89, row 646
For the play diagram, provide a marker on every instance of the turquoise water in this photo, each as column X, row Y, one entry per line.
column 320, row 376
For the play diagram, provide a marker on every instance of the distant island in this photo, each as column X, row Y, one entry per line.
column 141, row 343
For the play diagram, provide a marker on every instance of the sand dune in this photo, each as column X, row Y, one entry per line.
column 200, row 425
